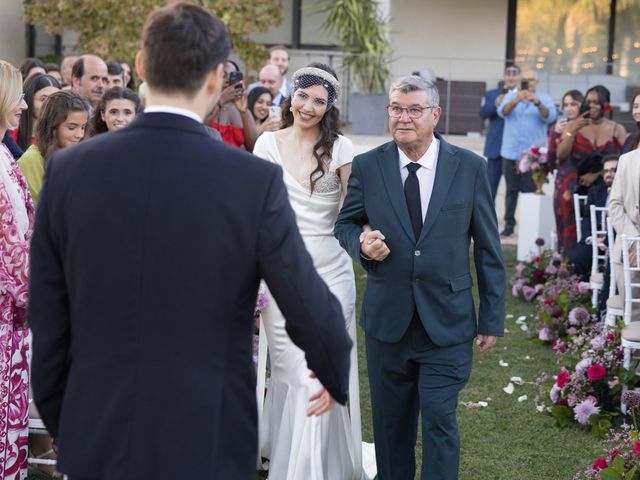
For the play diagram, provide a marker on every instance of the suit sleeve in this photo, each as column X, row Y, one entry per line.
column 489, row 108
column 352, row 217
column 314, row 318
column 49, row 316
column 620, row 217
column 488, row 258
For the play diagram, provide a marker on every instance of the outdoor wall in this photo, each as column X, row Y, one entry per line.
column 13, row 41
column 457, row 40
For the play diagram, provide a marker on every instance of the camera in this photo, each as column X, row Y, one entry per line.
column 235, row 78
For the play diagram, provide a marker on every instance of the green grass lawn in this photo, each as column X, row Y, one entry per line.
column 507, row 440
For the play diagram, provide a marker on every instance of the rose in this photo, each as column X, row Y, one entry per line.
column 563, row 378
column 596, row 372
column 636, row 448
column 599, row 464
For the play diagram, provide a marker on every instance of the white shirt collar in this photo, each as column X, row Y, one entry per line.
column 428, row 160
column 174, row 110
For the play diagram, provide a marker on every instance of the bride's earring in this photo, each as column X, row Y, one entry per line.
column 291, row 109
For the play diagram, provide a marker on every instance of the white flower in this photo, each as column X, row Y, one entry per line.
column 583, row 410
column 502, row 363
column 522, row 398
column 508, row 389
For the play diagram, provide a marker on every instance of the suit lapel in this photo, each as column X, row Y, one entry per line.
column 445, row 172
column 388, row 161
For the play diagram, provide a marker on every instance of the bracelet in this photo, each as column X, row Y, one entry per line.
column 568, row 134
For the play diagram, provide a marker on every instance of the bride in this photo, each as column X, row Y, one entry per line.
column 316, row 161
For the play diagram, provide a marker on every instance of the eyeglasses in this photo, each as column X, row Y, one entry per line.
column 415, row 111
column 21, row 99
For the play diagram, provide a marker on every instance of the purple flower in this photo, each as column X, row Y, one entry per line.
column 546, row 335
column 554, row 394
column 631, row 398
column 578, row 316
column 519, row 268
column 583, row 410
column 597, row 343
column 515, row 290
column 528, row 292
column 584, row 287
column 551, row 269
column 582, row 365
column 556, row 257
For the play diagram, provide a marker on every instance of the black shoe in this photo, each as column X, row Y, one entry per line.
column 507, row 232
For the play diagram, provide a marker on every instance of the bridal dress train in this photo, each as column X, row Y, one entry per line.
column 329, row 446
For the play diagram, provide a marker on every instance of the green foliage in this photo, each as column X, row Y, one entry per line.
column 113, row 28
column 361, row 32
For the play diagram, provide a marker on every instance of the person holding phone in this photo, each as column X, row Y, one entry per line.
column 527, row 114
column 265, row 116
column 566, row 179
column 231, row 115
column 489, row 111
column 591, row 137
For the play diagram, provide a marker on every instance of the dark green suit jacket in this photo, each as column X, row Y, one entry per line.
column 433, row 274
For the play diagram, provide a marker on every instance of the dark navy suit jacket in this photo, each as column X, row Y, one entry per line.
column 146, row 258
column 489, row 110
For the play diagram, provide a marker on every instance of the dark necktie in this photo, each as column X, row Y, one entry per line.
column 412, row 195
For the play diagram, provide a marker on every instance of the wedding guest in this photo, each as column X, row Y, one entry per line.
column 279, row 56
column 62, row 123
column 566, row 180
column 66, row 67
column 53, row 69
column 527, row 113
column 316, row 160
column 271, row 78
column 30, row 66
column 128, row 76
column 633, row 140
column 489, row 111
column 259, row 100
column 16, row 214
column 36, row 90
column 587, row 143
column 231, row 115
column 89, row 78
column 118, row 107
column 115, row 75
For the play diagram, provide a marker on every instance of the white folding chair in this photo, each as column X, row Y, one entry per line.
column 578, row 202
column 615, row 307
column 553, row 239
column 630, row 335
column 598, row 250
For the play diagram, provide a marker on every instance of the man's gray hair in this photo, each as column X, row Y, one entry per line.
column 415, row 83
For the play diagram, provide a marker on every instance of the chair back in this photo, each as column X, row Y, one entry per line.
column 612, row 265
column 598, row 233
column 630, row 244
column 578, row 202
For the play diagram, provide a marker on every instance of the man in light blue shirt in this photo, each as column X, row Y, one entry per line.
column 527, row 114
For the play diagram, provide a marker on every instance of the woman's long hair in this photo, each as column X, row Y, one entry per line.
column 97, row 125
column 32, row 86
column 604, row 99
column 55, row 111
column 329, row 130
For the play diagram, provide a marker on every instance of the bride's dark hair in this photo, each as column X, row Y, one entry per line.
column 329, row 128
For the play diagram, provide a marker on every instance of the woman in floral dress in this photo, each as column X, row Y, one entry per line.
column 16, row 220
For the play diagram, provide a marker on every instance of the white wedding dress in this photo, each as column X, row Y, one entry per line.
column 330, row 446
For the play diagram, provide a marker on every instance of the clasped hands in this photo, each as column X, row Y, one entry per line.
column 373, row 246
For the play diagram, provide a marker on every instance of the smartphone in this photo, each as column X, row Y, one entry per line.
column 524, row 85
column 235, row 78
column 562, row 116
column 275, row 112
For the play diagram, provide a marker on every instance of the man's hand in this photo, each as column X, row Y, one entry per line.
column 320, row 402
column 373, row 246
column 485, row 342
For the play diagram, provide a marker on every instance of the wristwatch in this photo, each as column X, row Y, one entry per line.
column 536, row 102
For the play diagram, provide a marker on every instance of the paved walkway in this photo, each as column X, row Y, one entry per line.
column 475, row 143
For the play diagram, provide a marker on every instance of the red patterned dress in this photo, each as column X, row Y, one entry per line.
column 16, row 223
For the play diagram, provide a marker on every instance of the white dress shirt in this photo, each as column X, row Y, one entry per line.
column 174, row 110
column 426, row 175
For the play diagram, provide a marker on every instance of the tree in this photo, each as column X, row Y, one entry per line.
column 112, row 28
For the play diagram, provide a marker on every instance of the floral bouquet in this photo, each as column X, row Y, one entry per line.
column 621, row 460
column 590, row 394
column 563, row 309
column 531, row 275
column 535, row 160
column 262, row 300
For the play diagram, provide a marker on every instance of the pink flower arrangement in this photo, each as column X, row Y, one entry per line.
column 531, row 275
column 621, row 458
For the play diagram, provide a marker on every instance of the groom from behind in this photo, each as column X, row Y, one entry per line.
column 424, row 200
column 147, row 253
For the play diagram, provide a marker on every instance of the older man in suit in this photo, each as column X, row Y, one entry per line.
column 411, row 209
column 146, row 258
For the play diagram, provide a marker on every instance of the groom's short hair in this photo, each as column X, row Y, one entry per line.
column 415, row 83
column 181, row 44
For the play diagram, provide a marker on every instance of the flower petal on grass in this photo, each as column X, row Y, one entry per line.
column 522, row 398
column 475, row 404
column 521, row 318
column 540, row 408
column 517, row 380
column 502, row 363
column 508, row 389
column 524, row 327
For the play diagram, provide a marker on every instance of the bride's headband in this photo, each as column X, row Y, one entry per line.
column 308, row 76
